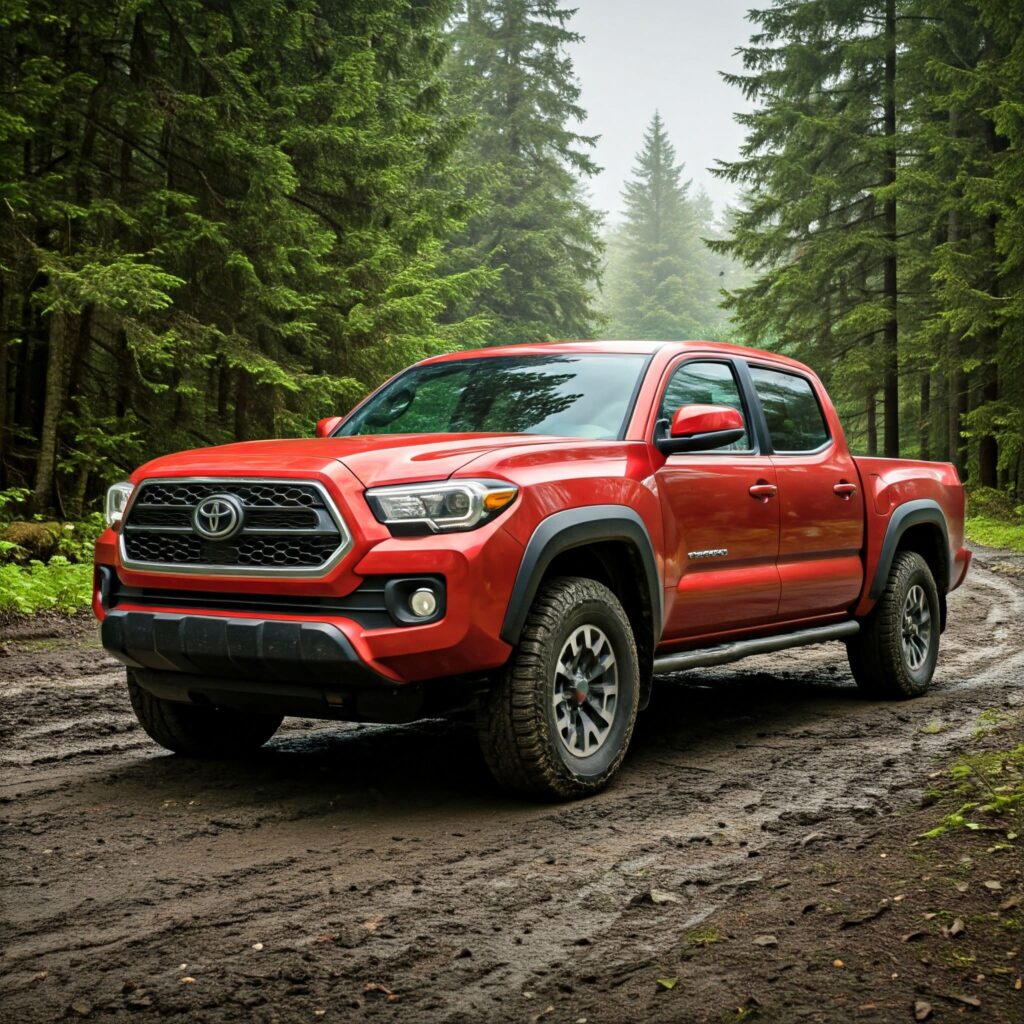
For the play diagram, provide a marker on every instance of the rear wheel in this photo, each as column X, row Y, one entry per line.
column 561, row 715
column 894, row 654
column 200, row 731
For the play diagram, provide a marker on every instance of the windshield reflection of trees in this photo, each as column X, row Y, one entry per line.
column 492, row 395
column 512, row 397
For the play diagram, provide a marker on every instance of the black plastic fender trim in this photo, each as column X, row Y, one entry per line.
column 913, row 513
column 575, row 528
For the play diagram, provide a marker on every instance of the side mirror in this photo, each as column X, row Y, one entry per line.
column 328, row 425
column 699, row 428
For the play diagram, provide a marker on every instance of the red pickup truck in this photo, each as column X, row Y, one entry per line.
column 528, row 534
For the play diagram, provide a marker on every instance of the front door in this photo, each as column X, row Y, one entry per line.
column 821, row 507
column 721, row 515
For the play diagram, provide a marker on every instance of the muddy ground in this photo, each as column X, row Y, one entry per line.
column 372, row 873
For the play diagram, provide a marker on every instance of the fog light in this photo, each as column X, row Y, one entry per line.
column 423, row 603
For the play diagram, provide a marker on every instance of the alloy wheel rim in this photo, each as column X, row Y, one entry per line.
column 586, row 691
column 917, row 628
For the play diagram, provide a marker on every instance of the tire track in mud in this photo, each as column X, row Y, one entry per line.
column 380, row 854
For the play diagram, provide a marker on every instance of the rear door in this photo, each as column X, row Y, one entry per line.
column 721, row 538
column 820, row 503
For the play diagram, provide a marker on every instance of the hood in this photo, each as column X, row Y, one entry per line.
column 375, row 459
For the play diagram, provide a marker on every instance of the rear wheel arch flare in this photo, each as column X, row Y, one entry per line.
column 919, row 526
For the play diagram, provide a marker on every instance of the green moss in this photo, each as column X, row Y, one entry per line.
column 991, row 784
column 702, row 937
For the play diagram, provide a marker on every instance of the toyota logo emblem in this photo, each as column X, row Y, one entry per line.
column 218, row 517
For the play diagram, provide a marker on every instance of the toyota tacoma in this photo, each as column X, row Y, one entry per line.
column 527, row 535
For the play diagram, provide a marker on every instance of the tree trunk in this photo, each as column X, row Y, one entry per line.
column 223, row 382
column 53, row 408
column 926, row 415
column 988, row 443
column 74, row 368
column 890, row 377
column 958, row 399
column 135, row 56
column 122, row 394
column 988, row 447
column 872, row 424
column 243, row 392
column 7, row 306
column 957, row 394
column 940, row 415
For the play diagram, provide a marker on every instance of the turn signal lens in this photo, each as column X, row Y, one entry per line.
column 494, row 500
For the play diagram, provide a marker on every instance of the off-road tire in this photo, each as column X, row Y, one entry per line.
column 200, row 731
column 876, row 653
column 516, row 725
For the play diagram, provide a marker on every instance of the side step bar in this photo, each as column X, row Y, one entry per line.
column 726, row 653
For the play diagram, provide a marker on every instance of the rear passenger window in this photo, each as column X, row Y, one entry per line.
column 705, row 383
column 795, row 419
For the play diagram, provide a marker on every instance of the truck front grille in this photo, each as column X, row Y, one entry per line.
column 285, row 528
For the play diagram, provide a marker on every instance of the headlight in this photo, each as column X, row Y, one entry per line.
column 117, row 499
column 440, row 507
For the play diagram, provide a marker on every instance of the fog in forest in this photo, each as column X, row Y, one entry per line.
column 652, row 55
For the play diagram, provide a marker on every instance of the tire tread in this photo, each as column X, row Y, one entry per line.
column 197, row 731
column 513, row 721
column 875, row 653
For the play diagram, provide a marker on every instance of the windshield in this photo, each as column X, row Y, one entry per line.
column 566, row 395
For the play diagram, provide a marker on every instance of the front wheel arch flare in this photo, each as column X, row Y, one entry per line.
column 574, row 528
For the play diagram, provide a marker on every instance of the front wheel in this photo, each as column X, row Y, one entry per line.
column 893, row 656
column 200, row 731
column 560, row 717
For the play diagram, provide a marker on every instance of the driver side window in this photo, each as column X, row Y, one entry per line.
column 705, row 383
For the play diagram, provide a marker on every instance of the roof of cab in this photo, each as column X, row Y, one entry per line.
column 617, row 347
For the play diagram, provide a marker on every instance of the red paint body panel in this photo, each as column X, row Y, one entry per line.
column 706, row 506
column 799, row 549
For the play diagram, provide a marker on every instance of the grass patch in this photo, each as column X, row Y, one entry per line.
column 994, row 519
column 57, row 585
column 994, row 533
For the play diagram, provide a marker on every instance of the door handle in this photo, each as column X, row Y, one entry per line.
column 844, row 490
column 762, row 492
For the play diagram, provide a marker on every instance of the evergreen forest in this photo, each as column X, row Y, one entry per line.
column 222, row 220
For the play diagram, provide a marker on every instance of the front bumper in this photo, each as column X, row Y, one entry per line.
column 254, row 649
column 284, row 667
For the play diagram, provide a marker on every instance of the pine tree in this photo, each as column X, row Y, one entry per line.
column 819, row 216
column 659, row 283
column 525, row 164
column 969, row 100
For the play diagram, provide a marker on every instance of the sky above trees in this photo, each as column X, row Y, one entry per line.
column 664, row 54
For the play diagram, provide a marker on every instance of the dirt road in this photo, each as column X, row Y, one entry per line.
column 346, row 857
